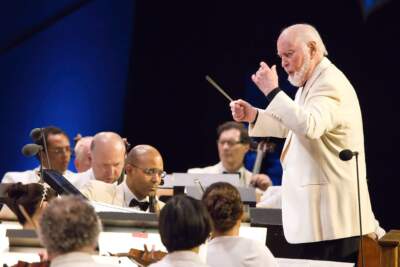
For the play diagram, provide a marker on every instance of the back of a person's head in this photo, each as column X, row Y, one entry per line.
column 224, row 205
column 244, row 136
column 28, row 196
column 184, row 223
column 69, row 224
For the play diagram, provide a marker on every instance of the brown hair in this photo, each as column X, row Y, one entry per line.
column 224, row 204
column 244, row 136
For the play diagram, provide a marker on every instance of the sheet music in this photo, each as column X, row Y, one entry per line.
column 104, row 207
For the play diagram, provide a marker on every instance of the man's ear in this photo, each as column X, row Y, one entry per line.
column 312, row 45
column 128, row 168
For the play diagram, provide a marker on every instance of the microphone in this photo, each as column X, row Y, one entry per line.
column 36, row 134
column 347, row 154
column 30, row 150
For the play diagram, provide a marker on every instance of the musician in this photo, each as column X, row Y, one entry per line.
column 69, row 230
column 107, row 155
column 59, row 152
column 233, row 143
column 26, row 202
column 144, row 169
column 226, row 247
column 184, row 224
column 82, row 160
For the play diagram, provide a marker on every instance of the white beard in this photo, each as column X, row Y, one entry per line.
column 298, row 78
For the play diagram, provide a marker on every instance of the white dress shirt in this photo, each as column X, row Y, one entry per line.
column 129, row 195
column 185, row 258
column 119, row 195
column 77, row 259
column 30, row 176
column 237, row 251
column 81, row 179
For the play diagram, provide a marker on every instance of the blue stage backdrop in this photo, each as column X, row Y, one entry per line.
column 62, row 63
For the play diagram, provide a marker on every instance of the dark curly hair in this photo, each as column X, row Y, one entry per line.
column 28, row 196
column 224, row 205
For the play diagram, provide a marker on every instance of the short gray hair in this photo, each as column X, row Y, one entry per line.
column 68, row 224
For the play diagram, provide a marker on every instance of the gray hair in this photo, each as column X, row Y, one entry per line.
column 307, row 33
column 83, row 146
column 68, row 224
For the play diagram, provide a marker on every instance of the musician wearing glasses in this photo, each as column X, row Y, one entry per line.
column 59, row 151
column 144, row 169
column 233, row 143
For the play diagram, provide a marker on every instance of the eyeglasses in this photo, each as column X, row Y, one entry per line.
column 230, row 143
column 151, row 171
column 60, row 150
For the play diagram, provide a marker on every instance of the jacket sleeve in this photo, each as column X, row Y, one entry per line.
column 267, row 125
column 317, row 116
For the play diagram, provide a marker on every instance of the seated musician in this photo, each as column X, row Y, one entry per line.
column 69, row 230
column 144, row 169
column 227, row 248
column 233, row 143
column 59, row 155
column 184, row 225
column 26, row 202
column 107, row 155
column 82, row 159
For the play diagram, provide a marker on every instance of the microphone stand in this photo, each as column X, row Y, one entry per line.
column 359, row 211
column 41, row 181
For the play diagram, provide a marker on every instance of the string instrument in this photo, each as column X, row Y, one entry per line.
column 153, row 207
column 32, row 264
column 264, row 146
column 142, row 257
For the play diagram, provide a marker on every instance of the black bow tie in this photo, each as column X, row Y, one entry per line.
column 142, row 205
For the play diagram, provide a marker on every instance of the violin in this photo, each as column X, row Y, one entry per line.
column 142, row 257
column 32, row 264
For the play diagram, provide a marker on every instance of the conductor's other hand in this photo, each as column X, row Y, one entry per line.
column 243, row 111
column 266, row 78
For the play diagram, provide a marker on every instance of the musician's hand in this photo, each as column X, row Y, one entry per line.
column 261, row 181
column 243, row 111
column 43, row 255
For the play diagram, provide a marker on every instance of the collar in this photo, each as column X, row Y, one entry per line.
column 325, row 63
column 129, row 195
column 75, row 256
column 183, row 255
column 242, row 172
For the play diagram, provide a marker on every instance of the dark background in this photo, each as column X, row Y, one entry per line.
column 138, row 67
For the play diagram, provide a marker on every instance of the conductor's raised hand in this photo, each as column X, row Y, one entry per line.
column 266, row 78
column 243, row 111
